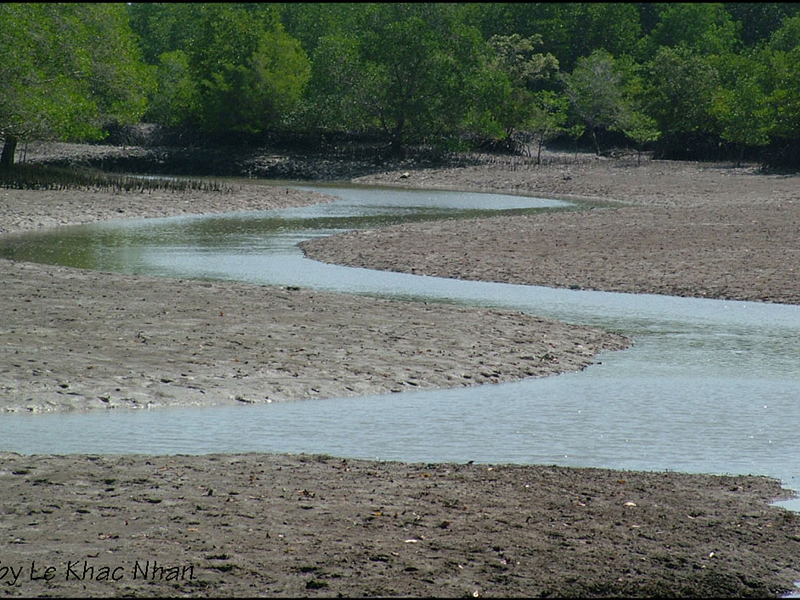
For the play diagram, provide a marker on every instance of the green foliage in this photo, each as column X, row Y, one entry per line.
column 161, row 27
column 597, row 94
column 504, row 97
column 417, row 59
column 517, row 57
column 704, row 28
column 254, row 95
column 222, row 67
column 549, row 119
column 681, row 86
column 248, row 71
column 176, row 94
column 659, row 71
column 642, row 129
column 739, row 104
column 666, row 73
column 780, row 59
column 311, row 22
column 569, row 30
column 67, row 70
column 611, row 26
column 330, row 101
column 403, row 69
column 759, row 19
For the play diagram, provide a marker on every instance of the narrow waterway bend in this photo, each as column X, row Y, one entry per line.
column 709, row 385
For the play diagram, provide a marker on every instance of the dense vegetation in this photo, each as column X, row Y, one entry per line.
column 689, row 80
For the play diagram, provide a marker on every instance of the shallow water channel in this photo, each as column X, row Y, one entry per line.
column 709, row 385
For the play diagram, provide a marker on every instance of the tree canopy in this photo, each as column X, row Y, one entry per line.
column 222, row 67
column 686, row 79
column 67, row 71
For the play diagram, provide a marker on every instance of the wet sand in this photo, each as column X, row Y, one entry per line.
column 680, row 229
column 318, row 526
column 77, row 339
column 275, row 525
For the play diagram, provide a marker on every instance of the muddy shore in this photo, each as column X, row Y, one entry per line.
column 318, row 526
column 275, row 525
column 674, row 228
column 77, row 339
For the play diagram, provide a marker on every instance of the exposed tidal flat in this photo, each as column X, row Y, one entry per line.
column 318, row 525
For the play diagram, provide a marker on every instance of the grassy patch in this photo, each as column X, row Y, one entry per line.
column 40, row 177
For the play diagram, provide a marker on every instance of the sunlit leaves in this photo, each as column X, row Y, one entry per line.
column 67, row 70
column 681, row 87
column 597, row 95
column 222, row 67
column 402, row 69
column 704, row 28
column 504, row 99
column 780, row 58
column 739, row 103
column 176, row 94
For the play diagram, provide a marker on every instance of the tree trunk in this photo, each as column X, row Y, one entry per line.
column 539, row 151
column 396, row 141
column 9, row 148
column 741, row 156
column 596, row 143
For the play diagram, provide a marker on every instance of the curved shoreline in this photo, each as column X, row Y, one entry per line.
column 304, row 526
column 79, row 339
column 678, row 229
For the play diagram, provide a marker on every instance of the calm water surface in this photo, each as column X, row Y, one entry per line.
column 709, row 386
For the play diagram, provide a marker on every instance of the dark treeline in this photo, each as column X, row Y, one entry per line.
column 686, row 80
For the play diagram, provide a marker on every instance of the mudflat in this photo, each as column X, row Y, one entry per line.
column 659, row 227
column 302, row 526
column 255, row 524
column 78, row 339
